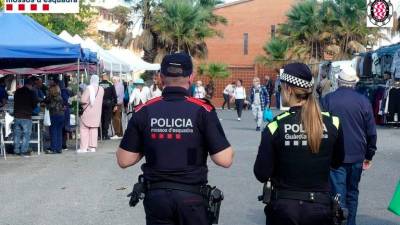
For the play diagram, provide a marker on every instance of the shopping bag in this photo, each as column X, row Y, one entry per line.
column 268, row 116
column 46, row 119
column 394, row 205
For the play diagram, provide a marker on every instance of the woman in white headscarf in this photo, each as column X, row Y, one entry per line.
column 92, row 100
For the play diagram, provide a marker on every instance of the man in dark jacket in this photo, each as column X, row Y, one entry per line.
column 359, row 129
column 269, row 84
column 109, row 105
column 25, row 101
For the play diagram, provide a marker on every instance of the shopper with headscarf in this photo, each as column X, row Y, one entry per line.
column 117, row 113
column 92, row 101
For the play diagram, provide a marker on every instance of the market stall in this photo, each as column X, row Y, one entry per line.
column 26, row 46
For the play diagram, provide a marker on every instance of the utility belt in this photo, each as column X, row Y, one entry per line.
column 314, row 197
column 211, row 195
column 339, row 214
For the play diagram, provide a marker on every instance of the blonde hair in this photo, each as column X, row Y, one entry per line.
column 54, row 91
column 311, row 117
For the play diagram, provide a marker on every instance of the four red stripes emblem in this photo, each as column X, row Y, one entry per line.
column 166, row 136
column 33, row 7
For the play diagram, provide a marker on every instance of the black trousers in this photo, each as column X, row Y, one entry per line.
column 239, row 106
column 172, row 207
column 226, row 101
column 106, row 115
column 294, row 212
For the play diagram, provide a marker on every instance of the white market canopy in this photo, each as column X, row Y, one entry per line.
column 110, row 63
column 135, row 62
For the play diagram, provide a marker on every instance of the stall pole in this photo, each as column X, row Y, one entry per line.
column 77, row 110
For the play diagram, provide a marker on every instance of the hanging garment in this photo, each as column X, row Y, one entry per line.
column 394, row 103
column 396, row 65
column 376, row 65
column 386, row 63
column 361, row 66
column 367, row 66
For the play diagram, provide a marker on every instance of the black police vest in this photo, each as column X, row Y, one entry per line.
column 173, row 142
column 297, row 168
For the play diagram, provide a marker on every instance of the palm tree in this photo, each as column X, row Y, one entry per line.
column 148, row 40
column 314, row 28
column 276, row 50
column 213, row 71
column 170, row 26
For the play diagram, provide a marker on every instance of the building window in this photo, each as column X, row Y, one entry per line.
column 246, row 43
column 273, row 31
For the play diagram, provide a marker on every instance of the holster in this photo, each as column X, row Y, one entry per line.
column 138, row 192
column 212, row 196
column 339, row 214
column 266, row 195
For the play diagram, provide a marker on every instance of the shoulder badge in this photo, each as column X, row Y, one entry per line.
column 206, row 105
column 283, row 115
column 150, row 102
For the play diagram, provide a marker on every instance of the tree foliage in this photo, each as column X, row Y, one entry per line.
column 170, row 26
column 214, row 71
column 122, row 14
column 315, row 28
column 73, row 23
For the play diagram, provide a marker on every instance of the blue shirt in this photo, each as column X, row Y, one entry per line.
column 357, row 119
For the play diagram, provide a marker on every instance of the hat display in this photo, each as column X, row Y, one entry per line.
column 139, row 81
column 298, row 75
column 348, row 75
column 177, row 65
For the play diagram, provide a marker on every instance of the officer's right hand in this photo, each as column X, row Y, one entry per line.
column 223, row 158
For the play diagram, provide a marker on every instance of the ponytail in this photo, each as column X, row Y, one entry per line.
column 311, row 119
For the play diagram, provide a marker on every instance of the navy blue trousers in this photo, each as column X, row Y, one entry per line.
column 344, row 181
column 294, row 212
column 172, row 207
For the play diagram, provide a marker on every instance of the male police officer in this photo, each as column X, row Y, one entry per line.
column 175, row 133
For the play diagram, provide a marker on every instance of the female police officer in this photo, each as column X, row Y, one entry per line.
column 296, row 152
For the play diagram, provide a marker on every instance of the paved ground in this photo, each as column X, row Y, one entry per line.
column 90, row 189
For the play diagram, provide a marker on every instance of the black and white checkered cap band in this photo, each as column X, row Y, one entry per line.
column 296, row 81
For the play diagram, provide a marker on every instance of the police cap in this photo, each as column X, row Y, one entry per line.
column 297, row 74
column 177, row 65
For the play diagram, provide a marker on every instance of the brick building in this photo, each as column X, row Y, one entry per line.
column 250, row 24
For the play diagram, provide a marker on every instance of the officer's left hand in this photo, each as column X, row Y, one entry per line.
column 367, row 164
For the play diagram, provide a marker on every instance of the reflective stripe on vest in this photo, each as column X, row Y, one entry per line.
column 325, row 113
column 273, row 127
column 282, row 116
column 336, row 121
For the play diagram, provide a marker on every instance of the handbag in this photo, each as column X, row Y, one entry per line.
column 394, row 205
column 46, row 119
column 81, row 109
column 268, row 116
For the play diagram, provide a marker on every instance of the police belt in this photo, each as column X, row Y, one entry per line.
column 314, row 197
column 196, row 189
